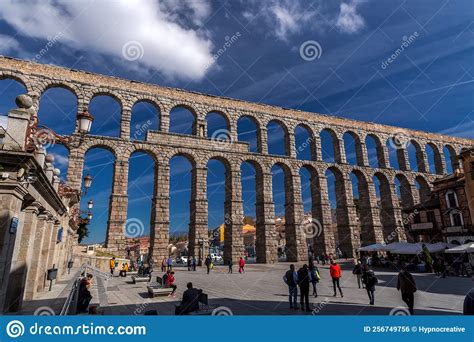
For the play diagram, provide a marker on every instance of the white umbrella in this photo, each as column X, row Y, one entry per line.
column 467, row 247
column 372, row 248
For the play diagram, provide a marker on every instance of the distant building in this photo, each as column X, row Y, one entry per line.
column 448, row 214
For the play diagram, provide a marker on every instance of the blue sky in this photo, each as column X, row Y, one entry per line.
column 427, row 86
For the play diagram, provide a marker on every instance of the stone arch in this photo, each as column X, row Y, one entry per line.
column 380, row 157
column 450, row 157
column 331, row 146
column 107, row 92
column 223, row 130
column 103, row 144
column 24, row 81
column 404, row 191
column 424, row 191
column 153, row 103
column 305, row 144
column 387, row 207
column 10, row 89
column 345, row 215
column 277, row 125
column 436, row 160
column 290, row 225
column 107, row 109
column 358, row 150
column 59, row 107
column 417, row 161
column 255, row 145
column 192, row 129
column 369, row 220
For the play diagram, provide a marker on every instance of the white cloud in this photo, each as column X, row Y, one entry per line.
column 8, row 44
column 164, row 31
column 349, row 21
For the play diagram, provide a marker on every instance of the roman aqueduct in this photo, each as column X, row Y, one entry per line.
column 379, row 220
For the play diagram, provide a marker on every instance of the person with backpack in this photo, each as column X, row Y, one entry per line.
column 164, row 264
column 336, row 274
column 304, row 278
column 357, row 271
column 315, row 277
column 170, row 263
column 241, row 265
column 208, row 263
column 369, row 280
column 291, row 279
column 229, row 264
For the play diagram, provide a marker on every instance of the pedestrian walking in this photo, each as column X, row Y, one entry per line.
column 369, row 280
column 170, row 263
column 193, row 263
column 291, row 279
column 188, row 262
column 229, row 264
column 407, row 286
column 315, row 277
column 208, row 263
column 304, row 279
column 336, row 274
column 112, row 266
column 164, row 264
column 241, row 265
column 357, row 271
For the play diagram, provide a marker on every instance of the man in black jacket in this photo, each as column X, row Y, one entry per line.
column 190, row 300
column 304, row 279
column 407, row 286
column 291, row 279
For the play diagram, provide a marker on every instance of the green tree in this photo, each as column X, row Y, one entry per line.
column 83, row 231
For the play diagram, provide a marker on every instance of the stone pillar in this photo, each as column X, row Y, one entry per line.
column 339, row 150
column 402, row 158
column 234, row 215
column 44, row 254
column 18, row 121
column 383, row 157
column 361, row 154
column 295, row 234
column 318, row 154
column 422, row 160
column 266, row 235
column 52, row 245
column 262, row 140
column 75, row 168
column 440, row 163
column 198, row 230
column 233, row 132
column 290, row 145
column 323, row 241
column 165, row 119
column 125, row 119
column 395, row 230
column 160, row 218
column 10, row 207
column 118, row 210
column 35, row 260
column 371, row 226
column 21, row 264
column 347, row 228
column 200, row 127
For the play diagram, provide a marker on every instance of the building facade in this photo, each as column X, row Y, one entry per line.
column 36, row 229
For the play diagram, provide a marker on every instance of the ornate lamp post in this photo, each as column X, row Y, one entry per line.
column 40, row 135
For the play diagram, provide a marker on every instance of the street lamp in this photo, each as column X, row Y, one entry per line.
column 90, row 204
column 39, row 135
column 87, row 182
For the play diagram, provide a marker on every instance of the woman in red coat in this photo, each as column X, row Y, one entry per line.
column 170, row 282
column 241, row 265
column 336, row 273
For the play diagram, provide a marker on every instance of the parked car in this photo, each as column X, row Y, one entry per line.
column 216, row 257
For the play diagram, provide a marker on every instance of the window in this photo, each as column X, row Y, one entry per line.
column 456, row 218
column 417, row 218
column 451, row 199
column 430, row 216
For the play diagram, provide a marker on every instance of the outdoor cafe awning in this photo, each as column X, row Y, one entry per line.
column 467, row 247
column 405, row 247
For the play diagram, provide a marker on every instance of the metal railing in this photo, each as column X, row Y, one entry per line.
column 71, row 300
